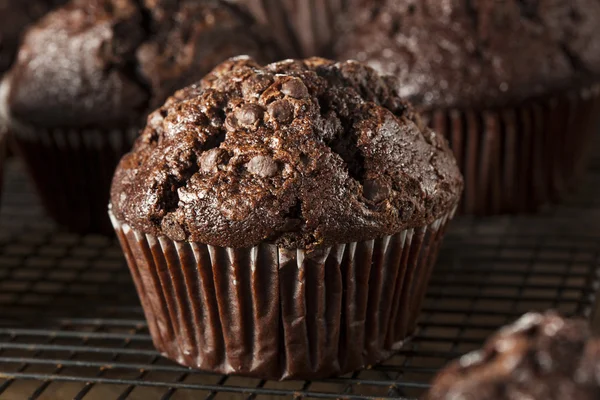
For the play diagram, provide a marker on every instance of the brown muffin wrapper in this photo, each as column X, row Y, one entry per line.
column 72, row 171
column 304, row 27
column 517, row 159
column 4, row 136
column 280, row 314
column 3, row 156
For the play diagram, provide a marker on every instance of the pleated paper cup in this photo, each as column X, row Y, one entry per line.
column 4, row 137
column 314, row 23
column 3, row 155
column 72, row 171
column 305, row 28
column 517, row 159
column 280, row 314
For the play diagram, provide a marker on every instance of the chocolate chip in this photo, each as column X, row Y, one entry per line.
column 209, row 161
column 231, row 123
column 254, row 86
column 281, row 111
column 249, row 114
column 375, row 191
column 263, row 166
column 294, row 88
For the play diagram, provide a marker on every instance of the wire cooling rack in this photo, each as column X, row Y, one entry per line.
column 71, row 325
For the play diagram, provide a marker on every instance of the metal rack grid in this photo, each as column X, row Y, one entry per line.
column 71, row 325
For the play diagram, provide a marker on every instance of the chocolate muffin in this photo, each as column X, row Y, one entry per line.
column 15, row 16
column 539, row 357
column 513, row 85
column 282, row 221
column 88, row 74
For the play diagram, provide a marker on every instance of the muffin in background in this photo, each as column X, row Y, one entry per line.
column 88, row 74
column 539, row 357
column 4, row 148
column 301, row 28
column 283, row 221
column 513, row 85
column 15, row 17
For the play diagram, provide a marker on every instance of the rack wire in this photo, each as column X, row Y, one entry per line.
column 71, row 325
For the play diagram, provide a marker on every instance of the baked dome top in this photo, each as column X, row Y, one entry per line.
column 460, row 53
column 15, row 16
column 108, row 63
column 302, row 154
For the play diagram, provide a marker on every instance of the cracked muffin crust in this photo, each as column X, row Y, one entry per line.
column 461, row 53
column 539, row 357
column 514, row 85
column 110, row 62
column 302, row 154
column 87, row 76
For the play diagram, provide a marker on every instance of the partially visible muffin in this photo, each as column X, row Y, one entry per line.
column 463, row 54
column 105, row 63
column 539, row 357
column 302, row 28
column 292, row 212
column 88, row 74
column 15, row 17
column 513, row 85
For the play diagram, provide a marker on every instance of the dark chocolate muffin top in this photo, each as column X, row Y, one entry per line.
column 302, row 154
column 539, row 357
column 461, row 53
column 15, row 16
column 110, row 62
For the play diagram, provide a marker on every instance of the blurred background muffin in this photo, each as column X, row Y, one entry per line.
column 15, row 17
column 88, row 74
column 513, row 85
column 301, row 28
column 539, row 357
